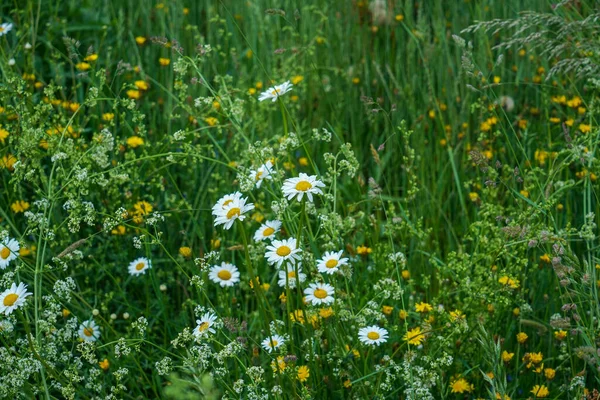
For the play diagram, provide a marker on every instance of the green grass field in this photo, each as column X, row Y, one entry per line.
column 369, row 199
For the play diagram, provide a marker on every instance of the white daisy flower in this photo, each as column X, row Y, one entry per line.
column 262, row 173
column 9, row 250
column 267, row 230
column 282, row 250
column 301, row 185
column 139, row 266
column 225, row 274
column 319, row 293
column 13, row 298
column 273, row 343
column 331, row 262
column 5, row 28
column 373, row 335
column 225, row 201
column 232, row 211
column 89, row 331
column 205, row 324
column 276, row 91
column 291, row 276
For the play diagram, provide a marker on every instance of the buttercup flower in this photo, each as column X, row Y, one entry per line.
column 291, row 276
column 139, row 266
column 414, row 336
column 273, row 343
column 231, row 210
column 283, row 250
column 319, row 293
column 262, row 173
column 13, row 298
column 9, row 250
column 301, row 185
column 373, row 335
column 205, row 324
column 267, row 230
column 276, row 91
column 225, row 274
column 89, row 331
column 331, row 262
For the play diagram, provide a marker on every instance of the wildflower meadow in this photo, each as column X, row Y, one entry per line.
column 341, row 199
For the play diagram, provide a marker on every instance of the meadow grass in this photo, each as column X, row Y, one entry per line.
column 451, row 157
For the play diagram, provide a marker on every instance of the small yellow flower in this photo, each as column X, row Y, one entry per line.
column 134, row 94
column 83, row 66
column 545, row 258
column 497, row 79
column 3, row 135
column 185, row 251
column 549, row 373
column 303, row 373
column 164, row 61
column 251, row 91
column 423, row 307
column 25, row 251
column 65, row 313
column 461, row 385
column 297, row 79
column 399, row 17
column 560, row 335
column 258, row 85
column 363, row 250
column 140, row 40
column 211, row 121
column 326, row 312
column 91, row 58
column 585, row 128
column 108, row 117
column 8, row 161
column 431, row 114
column 141, row 85
column 540, row 391
column 320, row 40
column 405, row 274
column 403, row 314
column 19, row 206
column 474, row 196
column 506, row 356
column 522, row 123
column 414, row 336
column 104, row 364
column 215, row 243
column 303, row 161
column 387, row 310
column 522, row 337
column 356, row 80
column 119, row 230
column 506, row 281
column 135, row 141
column 555, row 120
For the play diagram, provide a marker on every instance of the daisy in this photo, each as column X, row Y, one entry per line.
column 331, row 262
column 139, row 266
column 273, row 343
column 267, row 230
column 232, row 211
column 205, row 324
column 262, row 173
column 291, row 276
column 276, row 91
column 303, row 184
column 225, row 274
column 319, row 293
column 89, row 331
column 372, row 335
column 13, row 298
column 282, row 250
column 9, row 250
column 225, row 201
column 5, row 28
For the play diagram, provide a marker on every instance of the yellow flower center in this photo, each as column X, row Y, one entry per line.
column 291, row 274
column 233, row 212
column 320, row 293
column 373, row 335
column 224, row 275
column 274, row 92
column 283, row 251
column 303, row 186
column 268, row 232
column 88, row 332
column 331, row 263
column 258, row 175
column 203, row 326
column 5, row 253
column 10, row 299
column 1, row 29
column 227, row 202
column 139, row 266
column 274, row 343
